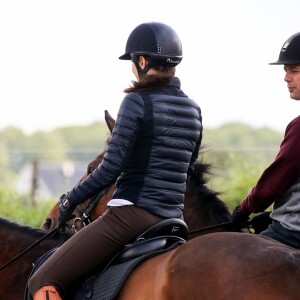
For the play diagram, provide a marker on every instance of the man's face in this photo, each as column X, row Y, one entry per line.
column 292, row 77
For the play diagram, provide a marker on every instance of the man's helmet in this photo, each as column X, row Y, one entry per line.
column 290, row 51
column 155, row 40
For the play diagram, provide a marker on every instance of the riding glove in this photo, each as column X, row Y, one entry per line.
column 261, row 221
column 66, row 209
column 239, row 219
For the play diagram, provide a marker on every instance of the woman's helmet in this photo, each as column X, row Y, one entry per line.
column 158, row 41
column 290, row 51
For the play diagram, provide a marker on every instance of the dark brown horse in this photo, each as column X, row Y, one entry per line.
column 14, row 238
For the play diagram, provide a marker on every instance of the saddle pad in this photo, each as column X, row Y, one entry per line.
column 108, row 285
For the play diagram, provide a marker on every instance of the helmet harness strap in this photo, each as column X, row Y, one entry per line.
column 141, row 72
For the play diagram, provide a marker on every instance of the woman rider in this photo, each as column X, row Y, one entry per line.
column 151, row 152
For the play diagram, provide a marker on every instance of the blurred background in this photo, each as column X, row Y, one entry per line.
column 59, row 71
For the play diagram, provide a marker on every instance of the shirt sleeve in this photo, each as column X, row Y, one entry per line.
column 279, row 176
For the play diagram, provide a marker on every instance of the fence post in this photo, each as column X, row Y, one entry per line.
column 34, row 182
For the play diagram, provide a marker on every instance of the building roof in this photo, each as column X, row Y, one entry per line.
column 52, row 179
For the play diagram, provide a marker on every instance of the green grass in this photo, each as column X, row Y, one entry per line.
column 18, row 208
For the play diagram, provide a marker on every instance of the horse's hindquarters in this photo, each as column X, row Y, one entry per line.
column 219, row 266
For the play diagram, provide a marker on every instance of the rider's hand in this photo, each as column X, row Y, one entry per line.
column 239, row 219
column 261, row 222
column 66, row 209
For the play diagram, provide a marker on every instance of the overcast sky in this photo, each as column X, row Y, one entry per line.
column 59, row 59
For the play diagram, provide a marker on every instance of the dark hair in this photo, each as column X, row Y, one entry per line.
column 148, row 82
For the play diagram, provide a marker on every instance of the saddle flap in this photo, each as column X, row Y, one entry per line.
column 140, row 248
column 168, row 227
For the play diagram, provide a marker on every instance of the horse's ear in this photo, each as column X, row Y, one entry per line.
column 109, row 121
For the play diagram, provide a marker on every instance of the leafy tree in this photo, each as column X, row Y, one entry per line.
column 237, row 151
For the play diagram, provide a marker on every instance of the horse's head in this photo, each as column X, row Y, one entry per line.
column 90, row 209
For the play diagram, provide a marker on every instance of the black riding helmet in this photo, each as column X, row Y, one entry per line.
column 290, row 51
column 157, row 41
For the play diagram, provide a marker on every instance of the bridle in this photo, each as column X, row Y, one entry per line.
column 84, row 212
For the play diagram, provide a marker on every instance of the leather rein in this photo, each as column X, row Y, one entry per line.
column 84, row 212
column 85, row 219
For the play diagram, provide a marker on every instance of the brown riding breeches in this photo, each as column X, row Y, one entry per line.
column 92, row 247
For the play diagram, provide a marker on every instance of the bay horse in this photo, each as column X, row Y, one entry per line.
column 215, row 266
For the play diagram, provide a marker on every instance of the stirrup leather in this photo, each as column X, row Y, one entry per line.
column 47, row 292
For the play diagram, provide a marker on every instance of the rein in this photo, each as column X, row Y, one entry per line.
column 84, row 219
column 92, row 205
column 210, row 227
column 29, row 248
column 214, row 227
column 85, row 212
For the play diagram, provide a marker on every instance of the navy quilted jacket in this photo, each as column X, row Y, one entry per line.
column 152, row 149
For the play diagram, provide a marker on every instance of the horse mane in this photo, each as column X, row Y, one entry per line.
column 203, row 199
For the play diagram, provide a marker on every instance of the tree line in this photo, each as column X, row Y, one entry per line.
column 82, row 143
column 237, row 153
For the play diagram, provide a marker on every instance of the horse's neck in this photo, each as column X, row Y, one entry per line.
column 15, row 238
